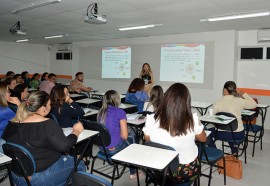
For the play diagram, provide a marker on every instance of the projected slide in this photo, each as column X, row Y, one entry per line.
column 182, row 63
column 116, row 62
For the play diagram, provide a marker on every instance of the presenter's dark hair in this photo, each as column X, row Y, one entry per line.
column 174, row 112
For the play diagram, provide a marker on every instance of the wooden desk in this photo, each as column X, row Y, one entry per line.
column 201, row 106
column 146, row 157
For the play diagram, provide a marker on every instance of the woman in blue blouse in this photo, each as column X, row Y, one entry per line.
column 136, row 94
column 6, row 113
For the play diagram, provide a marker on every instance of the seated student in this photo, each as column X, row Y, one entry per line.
column 77, row 85
column 156, row 96
column 63, row 107
column 21, row 92
column 47, row 85
column 25, row 77
column 34, row 82
column 174, row 125
column 11, row 82
column 233, row 101
column 9, row 74
column 116, row 122
column 136, row 94
column 18, row 78
column 44, row 76
column 6, row 113
column 44, row 139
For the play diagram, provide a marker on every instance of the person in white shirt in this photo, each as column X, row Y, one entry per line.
column 156, row 95
column 174, row 125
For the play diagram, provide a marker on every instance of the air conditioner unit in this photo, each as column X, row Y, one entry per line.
column 64, row 47
column 263, row 35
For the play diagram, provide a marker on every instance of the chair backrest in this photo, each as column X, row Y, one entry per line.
column 87, row 179
column 23, row 163
column 103, row 138
column 53, row 117
column 175, row 163
column 233, row 126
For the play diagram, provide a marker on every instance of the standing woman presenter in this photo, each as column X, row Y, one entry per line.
column 148, row 77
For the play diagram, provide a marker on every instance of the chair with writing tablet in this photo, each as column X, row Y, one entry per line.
column 241, row 144
column 102, row 140
column 23, row 163
column 155, row 177
column 210, row 156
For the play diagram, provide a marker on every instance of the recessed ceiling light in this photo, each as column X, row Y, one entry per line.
column 236, row 16
column 22, row 40
column 138, row 27
column 55, row 36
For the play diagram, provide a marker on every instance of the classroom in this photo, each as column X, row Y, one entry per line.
column 175, row 23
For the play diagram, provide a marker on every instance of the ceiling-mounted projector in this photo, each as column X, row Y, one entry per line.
column 94, row 19
column 16, row 29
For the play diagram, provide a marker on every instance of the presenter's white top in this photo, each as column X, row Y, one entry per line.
column 184, row 144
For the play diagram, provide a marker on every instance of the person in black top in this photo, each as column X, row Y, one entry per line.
column 44, row 139
column 64, row 108
column 147, row 76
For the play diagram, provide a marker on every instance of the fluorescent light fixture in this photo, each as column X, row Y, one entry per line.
column 236, row 16
column 22, row 40
column 138, row 27
column 35, row 5
column 56, row 36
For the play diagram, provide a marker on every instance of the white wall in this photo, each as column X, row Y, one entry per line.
column 19, row 57
column 253, row 74
column 224, row 60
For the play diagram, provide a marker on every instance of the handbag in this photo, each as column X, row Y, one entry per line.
column 233, row 167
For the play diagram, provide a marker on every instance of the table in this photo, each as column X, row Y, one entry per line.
column 137, row 125
column 91, row 114
column 6, row 161
column 214, row 119
column 201, row 106
column 128, row 108
column 146, row 157
column 76, row 95
column 100, row 95
column 89, row 102
column 262, row 110
column 86, row 135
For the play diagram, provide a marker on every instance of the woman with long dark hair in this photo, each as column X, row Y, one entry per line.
column 174, row 125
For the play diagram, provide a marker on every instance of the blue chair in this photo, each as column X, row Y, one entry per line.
column 255, row 134
column 87, row 179
column 23, row 163
column 102, row 140
column 210, row 156
column 241, row 144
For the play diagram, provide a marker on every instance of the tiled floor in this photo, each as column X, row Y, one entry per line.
column 255, row 172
